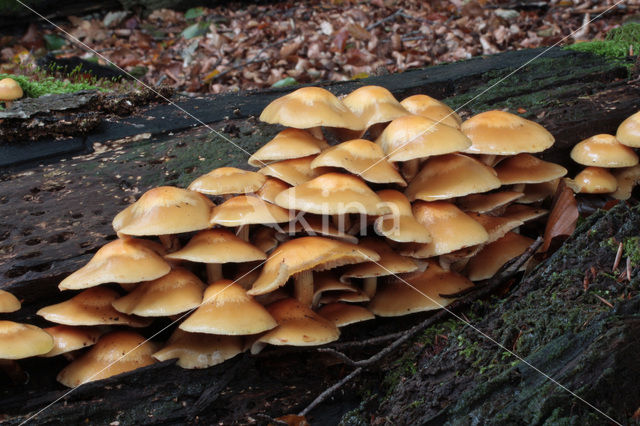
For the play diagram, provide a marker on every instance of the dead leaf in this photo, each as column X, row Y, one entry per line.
column 563, row 216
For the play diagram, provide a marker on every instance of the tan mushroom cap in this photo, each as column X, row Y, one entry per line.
column 228, row 180
column 343, row 314
column 327, row 281
column 286, row 145
column 310, row 107
column 271, row 188
column 165, row 210
column 450, row 229
column 414, row 136
column 172, row 294
column 67, row 338
column 227, row 309
column 432, row 108
column 294, row 172
column 360, row 157
column 534, row 192
column 307, row 253
column 316, row 225
column 264, row 239
column 247, row 210
column 390, row 262
column 595, row 180
column 484, row 203
column 298, row 325
column 19, row 341
column 503, row 133
column 90, row 307
column 496, row 226
column 127, row 260
column 10, row 90
column 374, row 104
column 418, row 292
column 523, row 212
column 603, row 151
column 400, row 225
column 358, row 296
column 628, row 132
column 8, row 302
column 217, row 246
column 627, row 178
column 333, row 193
column 114, row 353
column 199, row 350
column 525, row 168
column 490, row 259
column 451, row 175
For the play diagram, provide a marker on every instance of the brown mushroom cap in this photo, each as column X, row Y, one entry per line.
column 90, row 307
column 629, row 131
column 627, row 178
column 595, row 180
column 271, row 188
column 374, row 104
column 115, row 353
column 327, row 281
column 8, row 302
column 343, row 314
column 316, row 225
column 390, row 262
column 247, row 210
column 333, row 193
column 172, row 294
column 19, row 341
column 165, row 210
column 490, row 259
column 286, row 145
column 217, row 246
column 199, row 350
column 360, row 157
column 484, row 203
column 500, row 132
column 449, row 176
column 228, row 180
column 127, row 260
column 307, row 253
column 418, row 292
column 264, row 239
column 400, row 225
column 496, row 226
column 294, row 172
column 525, row 168
column 432, row 108
column 523, row 212
column 67, row 338
column 10, row 90
column 603, row 151
column 310, row 107
column 534, row 192
column 227, row 309
column 414, row 136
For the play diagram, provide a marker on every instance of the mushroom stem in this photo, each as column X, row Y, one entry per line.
column 170, row 242
column 316, row 132
column 7, row 104
column 12, row 369
column 369, row 286
column 243, row 233
column 342, row 222
column 409, row 169
column 303, row 286
column 214, row 272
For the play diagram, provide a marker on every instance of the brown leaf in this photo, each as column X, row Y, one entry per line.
column 32, row 39
column 563, row 217
column 289, row 49
column 339, row 41
column 358, row 32
column 294, row 420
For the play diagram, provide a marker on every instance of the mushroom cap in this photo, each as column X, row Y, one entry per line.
column 534, row 192
column 199, row 350
column 413, row 136
column 67, row 338
column 316, row 225
column 500, row 132
column 172, row 294
column 595, row 180
column 217, row 246
column 523, row 212
column 418, row 292
column 525, row 168
column 432, row 108
column 128, row 260
column 165, row 210
column 19, row 341
column 343, row 314
column 490, row 259
column 8, row 302
column 90, row 307
column 627, row 178
column 603, row 151
column 227, row 180
column 114, row 353
column 374, row 104
column 298, row 325
column 357, row 296
column 302, row 254
column 310, row 107
column 333, row 193
column 484, row 203
column 327, row 281
column 360, row 157
column 271, row 188
column 400, row 225
column 286, row 145
column 450, row 229
column 496, row 226
column 294, row 172
column 10, row 90
column 264, row 239
column 451, row 175
column 227, row 309
column 246, row 210
column 628, row 132
column 390, row 262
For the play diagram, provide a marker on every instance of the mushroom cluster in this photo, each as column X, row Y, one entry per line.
column 362, row 206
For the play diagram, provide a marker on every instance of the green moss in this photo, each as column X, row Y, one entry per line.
column 49, row 85
column 617, row 43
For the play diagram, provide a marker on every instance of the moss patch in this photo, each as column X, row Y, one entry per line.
column 618, row 43
column 49, row 85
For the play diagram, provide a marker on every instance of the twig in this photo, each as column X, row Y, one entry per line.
column 618, row 257
column 383, row 20
column 329, row 391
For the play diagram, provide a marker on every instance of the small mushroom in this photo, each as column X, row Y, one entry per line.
column 199, row 350
column 19, row 341
column 8, row 302
column 603, row 150
column 10, row 90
